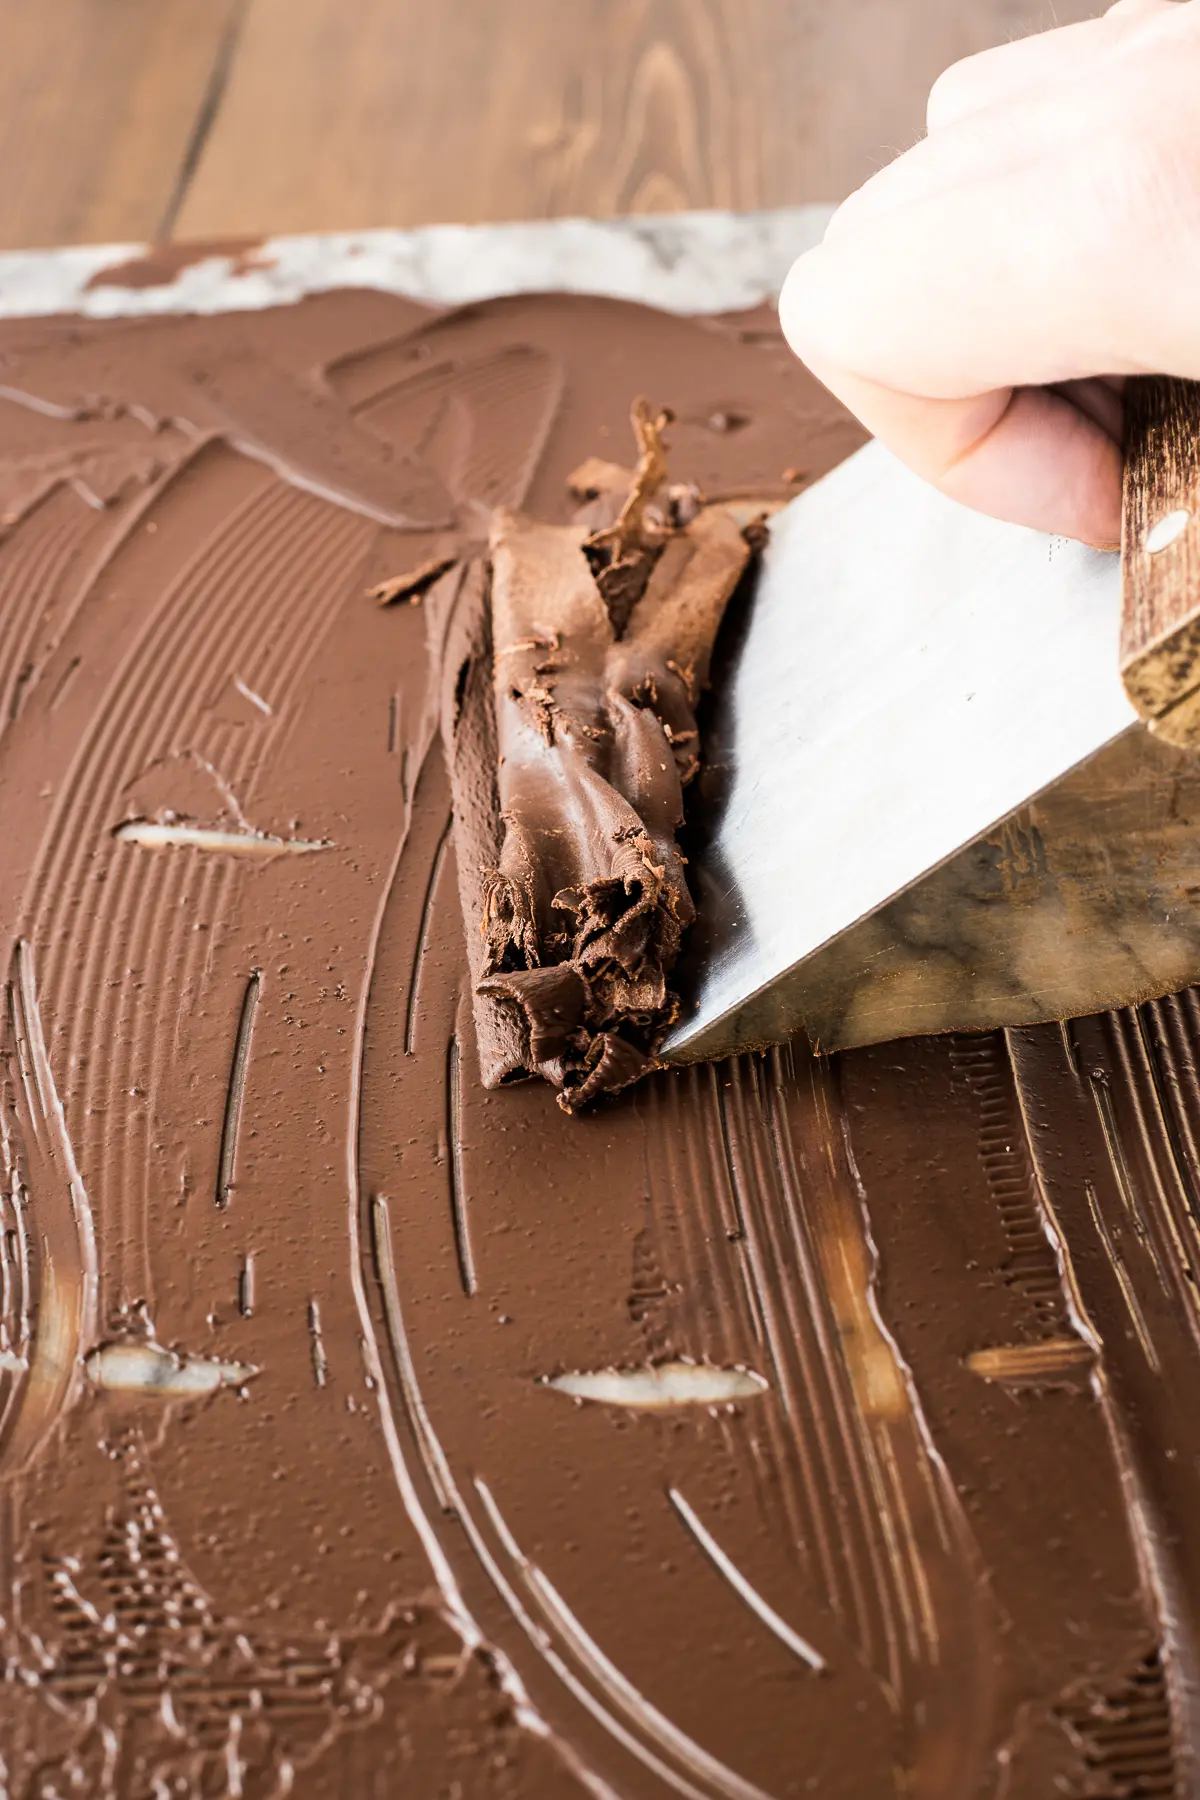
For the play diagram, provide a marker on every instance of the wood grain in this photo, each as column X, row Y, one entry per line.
column 135, row 119
column 352, row 113
column 100, row 101
column 1160, row 559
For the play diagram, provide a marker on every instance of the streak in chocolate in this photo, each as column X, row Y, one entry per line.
column 234, row 1099
column 754, row 1600
column 1053, row 1362
column 454, row 1167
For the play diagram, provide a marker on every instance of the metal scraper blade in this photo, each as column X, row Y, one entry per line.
column 912, row 676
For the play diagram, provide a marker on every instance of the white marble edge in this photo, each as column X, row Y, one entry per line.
column 693, row 262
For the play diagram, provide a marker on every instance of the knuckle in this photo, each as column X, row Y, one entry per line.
column 954, row 92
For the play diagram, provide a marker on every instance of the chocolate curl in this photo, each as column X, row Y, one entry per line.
column 601, row 640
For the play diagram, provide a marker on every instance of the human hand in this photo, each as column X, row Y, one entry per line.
column 978, row 302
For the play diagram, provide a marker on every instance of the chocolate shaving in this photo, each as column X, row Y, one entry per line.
column 600, row 642
column 414, row 585
column 621, row 555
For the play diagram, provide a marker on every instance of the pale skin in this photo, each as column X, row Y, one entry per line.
column 979, row 302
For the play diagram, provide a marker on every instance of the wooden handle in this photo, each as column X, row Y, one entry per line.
column 1160, row 556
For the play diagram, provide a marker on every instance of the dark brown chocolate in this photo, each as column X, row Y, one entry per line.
column 300, row 1487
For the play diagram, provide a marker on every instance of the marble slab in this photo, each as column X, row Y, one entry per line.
column 694, row 262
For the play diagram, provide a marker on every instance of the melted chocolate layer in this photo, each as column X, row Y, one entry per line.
column 784, row 1427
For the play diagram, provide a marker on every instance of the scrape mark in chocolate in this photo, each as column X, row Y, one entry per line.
column 393, row 727
column 1163, row 1030
column 446, row 1494
column 248, row 693
column 1125, row 1738
column 147, row 1368
column 543, row 1643
column 316, row 1340
column 895, row 1554
column 1147, row 1334
column 454, row 1164
column 64, row 681
column 246, row 1284
column 481, row 421
column 1136, row 1315
column 40, row 1159
column 1102, row 1100
column 285, row 420
column 1157, row 1084
column 1055, row 1362
column 36, row 563
column 422, row 945
column 95, row 473
column 24, row 676
column 736, row 1228
column 661, row 1386
column 432, row 1454
column 758, row 1606
column 21, row 1249
column 1068, row 1044
column 1031, row 1266
column 259, row 845
column 231, row 1126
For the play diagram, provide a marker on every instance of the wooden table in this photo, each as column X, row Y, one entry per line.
column 134, row 119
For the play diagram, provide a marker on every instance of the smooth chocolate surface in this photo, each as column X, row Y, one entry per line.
column 780, row 1427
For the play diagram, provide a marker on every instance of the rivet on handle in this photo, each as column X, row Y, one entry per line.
column 1171, row 526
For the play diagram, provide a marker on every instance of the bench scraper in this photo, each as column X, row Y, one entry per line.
column 957, row 763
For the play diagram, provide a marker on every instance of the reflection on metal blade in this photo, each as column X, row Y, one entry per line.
column 911, row 673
